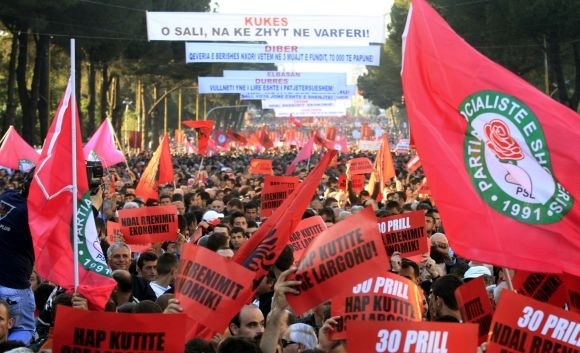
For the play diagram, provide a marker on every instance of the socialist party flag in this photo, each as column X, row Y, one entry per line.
column 51, row 216
column 501, row 156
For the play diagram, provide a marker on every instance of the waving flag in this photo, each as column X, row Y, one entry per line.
column 159, row 170
column 500, row 155
column 15, row 153
column 51, row 215
column 203, row 128
column 103, row 144
column 295, row 121
column 303, row 155
column 237, row 136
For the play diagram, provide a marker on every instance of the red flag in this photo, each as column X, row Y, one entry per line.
column 135, row 139
column 166, row 172
column 15, row 153
column 338, row 144
column 203, row 128
column 50, row 212
column 237, row 136
column 495, row 149
column 261, row 251
column 264, row 138
column 161, row 164
column 303, row 155
column 384, row 166
column 103, row 144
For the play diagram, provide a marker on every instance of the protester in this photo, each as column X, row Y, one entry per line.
column 16, row 264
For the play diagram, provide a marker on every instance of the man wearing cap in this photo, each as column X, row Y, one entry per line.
column 477, row 271
column 209, row 220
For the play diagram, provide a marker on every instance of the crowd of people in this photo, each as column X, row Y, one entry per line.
column 218, row 206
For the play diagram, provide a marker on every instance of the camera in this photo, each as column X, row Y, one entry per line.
column 94, row 173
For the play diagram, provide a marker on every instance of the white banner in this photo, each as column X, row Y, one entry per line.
column 290, row 29
column 304, row 103
column 268, row 85
column 304, row 111
column 339, row 77
column 260, row 53
column 293, row 96
column 369, row 145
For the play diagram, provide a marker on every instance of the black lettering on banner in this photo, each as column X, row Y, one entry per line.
column 68, row 349
column 473, row 309
column 137, row 341
column 345, row 261
column 356, row 303
column 484, row 323
column 89, row 337
column 205, row 285
column 150, row 229
column 541, row 286
column 509, row 337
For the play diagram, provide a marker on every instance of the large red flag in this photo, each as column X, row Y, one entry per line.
column 261, row 251
column 501, row 156
column 103, row 144
column 159, row 170
column 203, row 128
column 15, row 153
column 50, row 209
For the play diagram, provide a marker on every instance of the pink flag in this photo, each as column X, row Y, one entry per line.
column 103, row 144
column 15, row 153
column 303, row 155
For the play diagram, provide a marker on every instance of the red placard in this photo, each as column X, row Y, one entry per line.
column 209, row 286
column 572, row 284
column 342, row 183
column 361, row 165
column 276, row 190
column 404, row 233
column 357, row 183
column 338, row 258
column 304, row 233
column 389, row 297
column 261, row 166
column 545, row 287
column 148, row 224
column 423, row 337
column 85, row 331
column 114, row 235
column 475, row 306
column 522, row 324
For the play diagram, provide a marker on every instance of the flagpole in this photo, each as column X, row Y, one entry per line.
column 73, row 119
column 200, row 166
